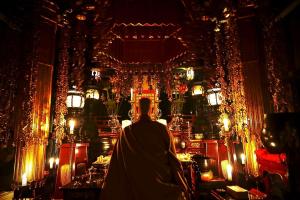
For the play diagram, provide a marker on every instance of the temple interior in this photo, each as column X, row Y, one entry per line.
column 222, row 75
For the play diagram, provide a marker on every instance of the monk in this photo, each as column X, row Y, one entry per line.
column 143, row 165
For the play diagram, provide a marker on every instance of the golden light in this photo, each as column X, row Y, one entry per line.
column 92, row 94
column 190, row 73
column 226, row 123
column 24, row 179
column 234, row 157
column 229, row 172
column 72, row 125
column 207, row 176
column 224, row 119
column 113, row 141
column 51, row 161
column 81, row 17
column 214, row 96
column 90, row 7
column 273, row 144
column 56, row 161
column 243, row 159
column 96, row 72
column 183, row 144
column 197, row 90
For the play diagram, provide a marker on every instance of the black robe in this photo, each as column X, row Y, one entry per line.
column 144, row 166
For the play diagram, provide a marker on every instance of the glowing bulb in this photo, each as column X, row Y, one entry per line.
column 72, row 125
column 57, row 161
column 243, row 159
column 24, row 179
column 229, row 172
column 51, row 161
column 273, row 144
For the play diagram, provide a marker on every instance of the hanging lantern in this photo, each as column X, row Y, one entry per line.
column 96, row 72
column 92, row 93
column 214, row 96
column 75, row 98
column 190, row 74
column 197, row 90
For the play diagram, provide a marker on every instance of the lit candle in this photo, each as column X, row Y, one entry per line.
column 243, row 159
column 72, row 125
column 24, row 179
column 205, row 163
column 229, row 172
column 51, row 161
column 226, row 124
column 56, row 161
column 131, row 94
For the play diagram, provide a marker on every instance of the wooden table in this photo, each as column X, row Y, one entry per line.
column 81, row 192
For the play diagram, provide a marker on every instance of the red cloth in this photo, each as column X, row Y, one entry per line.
column 144, row 166
column 265, row 155
column 272, row 163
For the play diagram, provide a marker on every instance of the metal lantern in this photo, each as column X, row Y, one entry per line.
column 214, row 96
column 197, row 90
column 92, row 93
column 75, row 98
column 96, row 72
column 190, row 74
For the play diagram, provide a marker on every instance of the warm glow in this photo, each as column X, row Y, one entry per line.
column 56, row 161
column 182, row 144
column 75, row 99
column 113, row 141
column 24, row 179
column 190, row 73
column 205, row 163
column 81, row 17
column 224, row 119
column 234, row 157
column 229, row 172
column 76, row 151
column 72, row 125
column 96, row 73
column 206, row 176
column 197, row 90
column 243, row 159
column 92, row 94
column 131, row 94
column 51, row 162
column 273, row 144
column 226, row 123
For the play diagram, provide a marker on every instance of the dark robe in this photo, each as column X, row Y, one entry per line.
column 144, row 166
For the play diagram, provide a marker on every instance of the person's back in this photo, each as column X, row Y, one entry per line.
column 143, row 164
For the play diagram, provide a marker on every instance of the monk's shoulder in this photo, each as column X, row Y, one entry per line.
column 159, row 125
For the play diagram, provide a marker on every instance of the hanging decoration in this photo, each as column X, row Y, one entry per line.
column 274, row 53
column 62, row 89
column 237, row 94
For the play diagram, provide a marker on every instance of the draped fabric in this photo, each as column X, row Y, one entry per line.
column 144, row 165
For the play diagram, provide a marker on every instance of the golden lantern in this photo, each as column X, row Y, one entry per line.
column 197, row 90
column 92, row 93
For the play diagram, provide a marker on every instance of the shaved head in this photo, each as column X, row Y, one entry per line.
column 145, row 105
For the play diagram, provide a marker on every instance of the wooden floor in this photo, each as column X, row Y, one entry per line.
column 6, row 195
